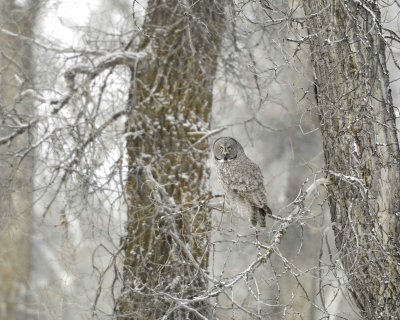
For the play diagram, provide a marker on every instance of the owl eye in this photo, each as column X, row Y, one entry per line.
column 229, row 148
column 221, row 148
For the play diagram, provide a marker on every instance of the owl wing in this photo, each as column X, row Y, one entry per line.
column 249, row 179
column 250, row 185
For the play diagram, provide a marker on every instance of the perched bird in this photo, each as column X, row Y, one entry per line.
column 241, row 179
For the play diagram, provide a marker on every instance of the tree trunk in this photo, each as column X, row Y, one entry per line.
column 166, row 253
column 361, row 148
column 16, row 164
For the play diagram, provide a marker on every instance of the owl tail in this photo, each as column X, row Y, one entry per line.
column 258, row 215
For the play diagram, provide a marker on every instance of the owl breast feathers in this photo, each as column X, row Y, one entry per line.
column 241, row 178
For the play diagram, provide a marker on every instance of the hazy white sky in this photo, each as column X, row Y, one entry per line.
column 62, row 17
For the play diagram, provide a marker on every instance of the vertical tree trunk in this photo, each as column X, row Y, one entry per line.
column 167, row 230
column 361, row 148
column 16, row 164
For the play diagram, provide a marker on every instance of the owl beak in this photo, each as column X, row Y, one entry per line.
column 225, row 155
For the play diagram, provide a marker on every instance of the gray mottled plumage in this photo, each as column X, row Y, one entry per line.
column 241, row 178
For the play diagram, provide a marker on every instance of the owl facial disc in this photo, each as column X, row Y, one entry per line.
column 226, row 149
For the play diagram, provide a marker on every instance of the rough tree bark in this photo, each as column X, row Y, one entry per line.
column 361, row 148
column 165, row 248
column 16, row 163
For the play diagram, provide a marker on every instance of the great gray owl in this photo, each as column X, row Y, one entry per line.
column 241, row 178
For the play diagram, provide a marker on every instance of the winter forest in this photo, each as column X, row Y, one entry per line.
column 110, row 206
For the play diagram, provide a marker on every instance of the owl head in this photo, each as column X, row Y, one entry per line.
column 226, row 149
